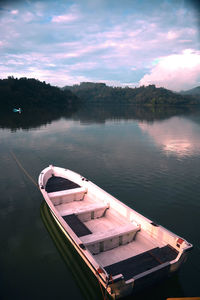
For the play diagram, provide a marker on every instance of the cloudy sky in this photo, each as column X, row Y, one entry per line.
column 120, row 42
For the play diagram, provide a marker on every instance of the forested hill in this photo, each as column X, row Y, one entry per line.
column 90, row 92
column 32, row 94
column 195, row 92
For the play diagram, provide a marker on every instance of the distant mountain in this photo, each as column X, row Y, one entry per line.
column 30, row 94
column 90, row 92
column 195, row 91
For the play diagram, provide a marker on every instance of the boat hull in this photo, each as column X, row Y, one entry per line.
column 118, row 277
column 84, row 278
column 122, row 290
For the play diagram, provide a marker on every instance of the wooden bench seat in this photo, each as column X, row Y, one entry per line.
column 67, row 195
column 84, row 212
column 112, row 238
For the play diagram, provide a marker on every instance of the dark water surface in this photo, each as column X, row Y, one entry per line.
column 149, row 159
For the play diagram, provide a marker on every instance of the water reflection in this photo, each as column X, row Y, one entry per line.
column 90, row 115
column 31, row 119
column 176, row 136
column 100, row 114
column 123, row 157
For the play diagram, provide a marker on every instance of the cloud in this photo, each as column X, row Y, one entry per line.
column 28, row 17
column 175, row 34
column 2, row 43
column 42, row 69
column 176, row 72
column 71, row 15
column 64, row 18
column 97, row 40
column 14, row 12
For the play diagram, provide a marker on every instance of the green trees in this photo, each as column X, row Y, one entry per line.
column 90, row 92
column 31, row 93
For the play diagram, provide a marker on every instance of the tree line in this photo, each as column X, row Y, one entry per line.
column 90, row 92
column 29, row 94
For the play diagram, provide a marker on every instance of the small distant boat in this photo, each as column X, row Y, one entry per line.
column 19, row 110
column 125, row 251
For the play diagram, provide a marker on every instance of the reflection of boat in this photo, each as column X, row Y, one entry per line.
column 123, row 249
column 84, row 278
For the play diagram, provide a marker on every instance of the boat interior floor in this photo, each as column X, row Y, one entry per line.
column 140, row 244
column 142, row 262
column 108, row 221
column 119, row 245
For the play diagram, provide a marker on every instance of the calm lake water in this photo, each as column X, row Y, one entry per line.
column 149, row 159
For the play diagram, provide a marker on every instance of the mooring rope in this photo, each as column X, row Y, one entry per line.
column 22, row 168
column 104, row 296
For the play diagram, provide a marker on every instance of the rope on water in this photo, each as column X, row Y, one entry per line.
column 22, row 168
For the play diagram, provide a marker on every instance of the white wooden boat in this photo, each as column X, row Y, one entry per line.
column 126, row 251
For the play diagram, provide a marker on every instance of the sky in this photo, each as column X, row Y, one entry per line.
column 119, row 42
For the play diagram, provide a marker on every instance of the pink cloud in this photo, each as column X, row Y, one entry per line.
column 171, row 35
column 1, row 43
column 14, row 12
column 176, row 34
column 176, row 71
column 64, row 18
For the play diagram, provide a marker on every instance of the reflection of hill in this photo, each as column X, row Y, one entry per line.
column 101, row 113
column 31, row 119
column 94, row 114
